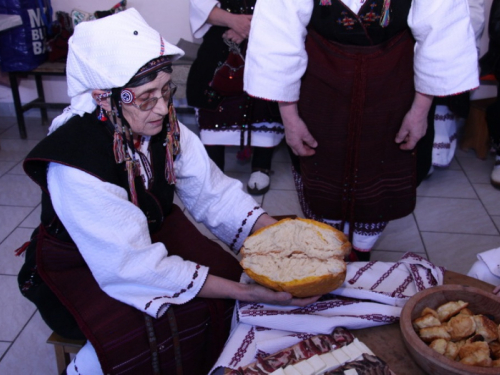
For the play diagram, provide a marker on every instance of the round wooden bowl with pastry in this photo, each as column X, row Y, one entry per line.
column 453, row 330
column 300, row 256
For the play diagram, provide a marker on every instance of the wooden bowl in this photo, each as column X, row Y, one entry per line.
column 432, row 362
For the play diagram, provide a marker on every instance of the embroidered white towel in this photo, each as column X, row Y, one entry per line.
column 373, row 294
column 390, row 283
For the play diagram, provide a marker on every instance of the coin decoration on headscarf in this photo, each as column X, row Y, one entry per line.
column 127, row 96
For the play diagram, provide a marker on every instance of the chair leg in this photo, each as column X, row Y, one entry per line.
column 62, row 359
column 14, row 85
column 41, row 97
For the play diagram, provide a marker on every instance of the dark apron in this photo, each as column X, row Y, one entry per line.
column 187, row 339
column 353, row 100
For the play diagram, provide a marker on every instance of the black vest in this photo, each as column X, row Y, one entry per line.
column 212, row 53
column 86, row 144
column 338, row 23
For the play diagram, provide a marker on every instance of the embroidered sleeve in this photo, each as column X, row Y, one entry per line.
column 276, row 58
column 124, row 262
column 210, row 196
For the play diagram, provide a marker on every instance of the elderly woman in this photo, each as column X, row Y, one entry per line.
column 148, row 291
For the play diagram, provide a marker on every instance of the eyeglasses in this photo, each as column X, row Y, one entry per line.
column 128, row 98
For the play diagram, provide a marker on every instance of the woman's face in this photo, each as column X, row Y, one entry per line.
column 148, row 122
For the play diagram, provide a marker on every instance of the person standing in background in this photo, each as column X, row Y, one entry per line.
column 490, row 65
column 226, row 114
column 447, row 115
column 355, row 81
column 487, row 268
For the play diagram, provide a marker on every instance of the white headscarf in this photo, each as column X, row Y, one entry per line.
column 107, row 53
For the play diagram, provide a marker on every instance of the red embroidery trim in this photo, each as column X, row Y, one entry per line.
column 240, row 230
column 400, row 289
column 384, row 276
column 175, row 295
column 240, row 353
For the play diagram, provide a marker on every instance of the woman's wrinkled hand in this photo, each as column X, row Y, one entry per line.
column 218, row 287
column 233, row 36
column 415, row 122
column 297, row 135
column 411, row 131
column 258, row 293
column 240, row 24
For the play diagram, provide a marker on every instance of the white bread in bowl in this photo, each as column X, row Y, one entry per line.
column 300, row 256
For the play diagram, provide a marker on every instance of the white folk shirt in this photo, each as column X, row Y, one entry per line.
column 113, row 237
column 445, row 61
column 199, row 10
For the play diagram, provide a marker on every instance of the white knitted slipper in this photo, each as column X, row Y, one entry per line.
column 258, row 183
column 495, row 174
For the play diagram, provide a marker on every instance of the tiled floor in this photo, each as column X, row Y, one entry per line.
column 457, row 215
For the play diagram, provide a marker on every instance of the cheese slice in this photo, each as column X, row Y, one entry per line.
column 279, row 371
column 316, row 363
column 362, row 346
column 341, row 356
column 290, row 370
column 304, row 368
column 330, row 361
column 352, row 351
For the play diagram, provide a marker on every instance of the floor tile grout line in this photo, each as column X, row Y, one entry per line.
column 466, row 233
column 473, row 185
column 420, row 235
column 441, row 197
column 8, row 205
column 19, row 334
column 19, row 225
column 485, row 208
column 400, row 251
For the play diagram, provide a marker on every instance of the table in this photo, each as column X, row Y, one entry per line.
column 387, row 342
column 45, row 69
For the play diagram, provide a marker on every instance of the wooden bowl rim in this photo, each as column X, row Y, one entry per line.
column 408, row 332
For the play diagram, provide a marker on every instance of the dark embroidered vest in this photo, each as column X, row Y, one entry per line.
column 338, row 23
column 87, row 144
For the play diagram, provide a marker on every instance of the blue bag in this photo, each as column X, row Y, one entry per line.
column 24, row 47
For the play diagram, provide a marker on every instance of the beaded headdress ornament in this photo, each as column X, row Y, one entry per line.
column 123, row 146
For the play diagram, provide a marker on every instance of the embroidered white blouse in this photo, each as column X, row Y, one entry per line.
column 113, row 237
column 445, row 61
column 199, row 10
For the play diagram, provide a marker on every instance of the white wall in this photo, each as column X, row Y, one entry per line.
column 171, row 19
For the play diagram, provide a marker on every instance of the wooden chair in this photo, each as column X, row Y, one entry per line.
column 63, row 347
